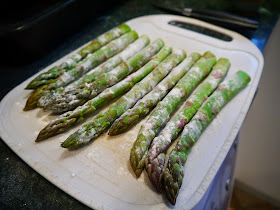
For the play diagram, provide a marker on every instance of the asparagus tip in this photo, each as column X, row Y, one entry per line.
column 119, row 126
column 137, row 172
column 29, row 106
column 117, row 129
column 28, row 88
column 69, row 145
column 168, row 183
column 112, row 132
column 63, row 144
column 42, row 135
column 70, row 142
column 172, row 201
column 38, row 139
column 25, row 109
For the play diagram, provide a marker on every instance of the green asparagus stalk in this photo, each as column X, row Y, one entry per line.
column 68, row 119
column 144, row 106
column 174, row 172
column 95, row 59
column 60, row 95
column 132, row 49
column 104, row 39
column 85, row 65
column 108, row 79
column 46, row 77
column 156, row 154
column 163, row 110
column 102, row 121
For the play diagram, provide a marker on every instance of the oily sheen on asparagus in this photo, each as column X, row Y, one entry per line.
column 161, row 114
column 156, row 155
column 102, row 121
column 65, row 99
column 46, row 77
column 65, row 121
column 148, row 102
column 85, row 65
column 174, row 172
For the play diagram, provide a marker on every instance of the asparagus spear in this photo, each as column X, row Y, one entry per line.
column 104, row 39
column 89, row 91
column 95, row 59
column 161, row 113
column 102, row 121
column 85, row 65
column 60, row 95
column 156, row 154
column 143, row 107
column 46, row 77
column 133, row 48
column 174, row 172
column 70, row 118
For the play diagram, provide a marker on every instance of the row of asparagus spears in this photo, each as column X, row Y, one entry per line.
column 152, row 77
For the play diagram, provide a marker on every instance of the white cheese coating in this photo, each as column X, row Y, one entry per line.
column 84, row 136
column 66, row 77
column 193, row 129
column 102, row 38
column 87, row 65
column 175, row 92
column 77, row 57
column 70, row 62
column 133, row 48
column 130, row 101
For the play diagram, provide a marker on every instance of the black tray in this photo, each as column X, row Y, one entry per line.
column 30, row 29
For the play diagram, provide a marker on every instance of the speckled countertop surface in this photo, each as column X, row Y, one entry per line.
column 20, row 185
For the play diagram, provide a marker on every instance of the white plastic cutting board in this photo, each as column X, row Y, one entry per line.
column 99, row 174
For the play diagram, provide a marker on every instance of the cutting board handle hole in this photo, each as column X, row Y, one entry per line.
column 201, row 30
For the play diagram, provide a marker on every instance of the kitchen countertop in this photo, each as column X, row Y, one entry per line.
column 20, row 185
